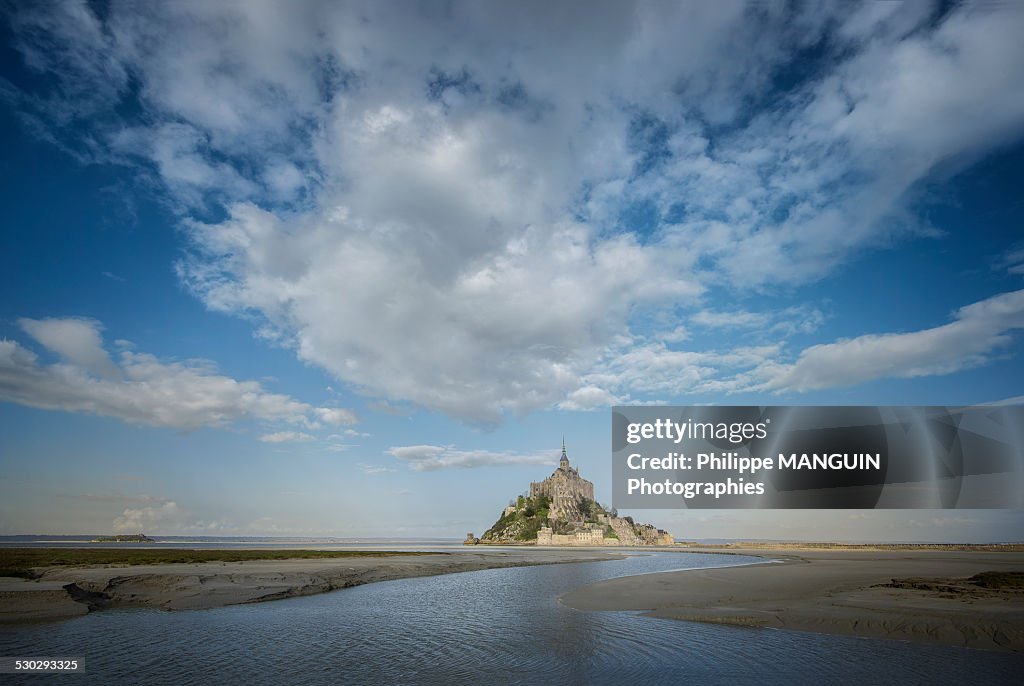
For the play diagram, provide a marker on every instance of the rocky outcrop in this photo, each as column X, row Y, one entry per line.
column 561, row 510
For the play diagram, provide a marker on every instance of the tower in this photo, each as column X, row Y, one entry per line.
column 563, row 463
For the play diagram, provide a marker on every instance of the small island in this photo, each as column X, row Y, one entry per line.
column 124, row 538
column 561, row 510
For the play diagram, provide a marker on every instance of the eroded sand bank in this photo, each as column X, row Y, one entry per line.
column 832, row 591
column 67, row 592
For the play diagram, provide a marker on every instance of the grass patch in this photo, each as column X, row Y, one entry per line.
column 999, row 580
column 21, row 562
column 522, row 524
column 979, row 585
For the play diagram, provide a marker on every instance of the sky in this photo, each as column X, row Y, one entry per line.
column 354, row 269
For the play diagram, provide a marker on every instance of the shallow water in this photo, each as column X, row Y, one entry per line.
column 501, row 626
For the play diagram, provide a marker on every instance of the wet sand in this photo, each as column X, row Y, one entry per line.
column 67, row 592
column 834, row 591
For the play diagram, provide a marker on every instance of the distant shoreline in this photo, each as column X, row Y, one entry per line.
column 869, row 591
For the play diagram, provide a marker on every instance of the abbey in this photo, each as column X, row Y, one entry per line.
column 562, row 510
column 566, row 490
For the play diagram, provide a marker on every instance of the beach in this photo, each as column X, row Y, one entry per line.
column 920, row 595
column 64, row 592
column 845, row 591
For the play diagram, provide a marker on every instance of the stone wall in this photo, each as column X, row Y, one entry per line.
column 588, row 537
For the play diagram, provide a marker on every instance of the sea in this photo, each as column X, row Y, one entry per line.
column 499, row 626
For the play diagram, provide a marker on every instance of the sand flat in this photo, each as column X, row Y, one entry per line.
column 64, row 592
column 831, row 591
column 22, row 601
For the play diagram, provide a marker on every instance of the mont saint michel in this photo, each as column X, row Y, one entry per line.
column 561, row 510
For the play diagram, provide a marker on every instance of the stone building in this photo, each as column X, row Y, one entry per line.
column 566, row 488
column 586, row 534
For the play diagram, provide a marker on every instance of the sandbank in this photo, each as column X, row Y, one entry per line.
column 63, row 592
column 847, row 591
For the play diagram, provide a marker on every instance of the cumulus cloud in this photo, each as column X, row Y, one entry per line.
column 427, row 458
column 138, row 388
column 507, row 330
column 470, row 210
column 78, row 341
column 142, row 519
column 589, row 398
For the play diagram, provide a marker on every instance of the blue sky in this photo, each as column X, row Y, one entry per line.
column 347, row 269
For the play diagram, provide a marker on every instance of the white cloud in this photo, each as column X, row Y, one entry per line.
column 76, row 340
column 348, row 433
column 179, row 153
column 335, row 415
column 730, row 320
column 139, row 388
column 657, row 369
column 425, row 458
column 286, row 437
column 786, row 322
column 141, row 519
column 589, row 398
column 508, row 329
column 435, row 206
column 976, row 332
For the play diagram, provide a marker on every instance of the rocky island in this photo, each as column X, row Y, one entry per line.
column 562, row 510
column 123, row 538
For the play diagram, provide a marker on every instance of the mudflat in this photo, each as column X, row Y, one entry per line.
column 61, row 592
column 924, row 595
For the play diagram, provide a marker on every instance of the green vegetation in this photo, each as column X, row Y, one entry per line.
column 22, row 562
column 999, row 580
column 979, row 585
column 523, row 524
column 531, row 526
column 590, row 510
column 609, row 532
